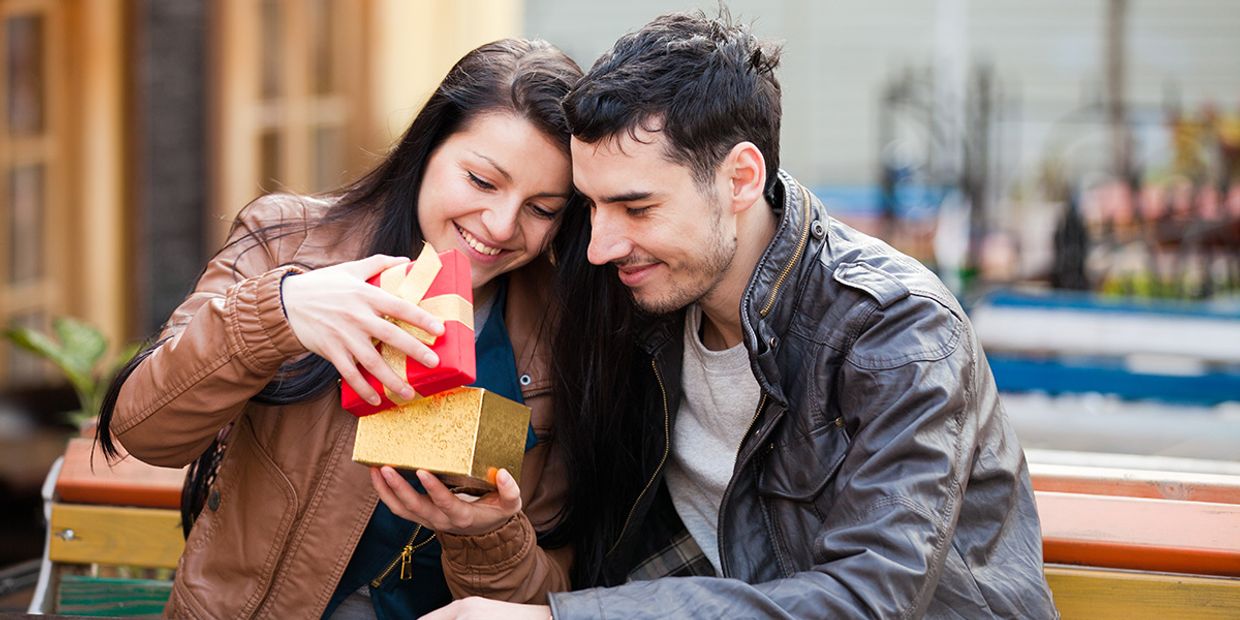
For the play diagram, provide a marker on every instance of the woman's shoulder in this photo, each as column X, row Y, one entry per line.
column 296, row 230
column 283, row 209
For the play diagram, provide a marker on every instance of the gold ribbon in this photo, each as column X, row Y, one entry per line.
column 412, row 286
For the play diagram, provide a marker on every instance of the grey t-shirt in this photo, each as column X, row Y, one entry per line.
column 720, row 400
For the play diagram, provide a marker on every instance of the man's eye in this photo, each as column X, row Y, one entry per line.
column 477, row 181
column 636, row 211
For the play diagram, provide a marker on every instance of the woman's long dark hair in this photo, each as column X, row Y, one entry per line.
column 524, row 77
column 603, row 393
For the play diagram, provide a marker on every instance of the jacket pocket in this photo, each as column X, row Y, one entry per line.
column 800, row 465
column 236, row 544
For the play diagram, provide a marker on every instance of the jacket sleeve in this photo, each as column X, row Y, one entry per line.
column 219, row 348
column 909, row 390
column 508, row 564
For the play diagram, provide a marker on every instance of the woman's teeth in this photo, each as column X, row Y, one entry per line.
column 474, row 243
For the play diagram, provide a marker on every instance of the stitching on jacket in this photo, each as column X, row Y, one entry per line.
column 290, row 494
column 935, row 353
column 178, row 389
column 890, row 290
column 233, row 317
column 469, row 545
column 329, row 472
column 954, row 484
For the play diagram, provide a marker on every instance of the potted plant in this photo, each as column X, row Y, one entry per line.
column 77, row 349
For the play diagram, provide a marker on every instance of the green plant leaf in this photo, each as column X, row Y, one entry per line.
column 33, row 341
column 83, row 344
column 40, row 344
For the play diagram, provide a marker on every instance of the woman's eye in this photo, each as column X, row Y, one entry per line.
column 545, row 214
column 477, row 181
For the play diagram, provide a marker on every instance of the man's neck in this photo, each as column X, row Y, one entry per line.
column 721, row 307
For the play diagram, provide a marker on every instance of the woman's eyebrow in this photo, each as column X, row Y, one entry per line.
column 495, row 165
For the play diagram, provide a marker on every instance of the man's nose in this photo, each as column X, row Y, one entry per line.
column 607, row 240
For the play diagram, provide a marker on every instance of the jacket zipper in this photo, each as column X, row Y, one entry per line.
column 404, row 560
column 727, row 492
column 802, row 240
column 667, row 447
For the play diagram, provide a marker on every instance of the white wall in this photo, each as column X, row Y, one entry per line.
column 1048, row 55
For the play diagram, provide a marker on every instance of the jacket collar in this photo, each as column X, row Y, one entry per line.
column 769, row 301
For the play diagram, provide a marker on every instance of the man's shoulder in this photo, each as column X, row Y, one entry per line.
column 899, row 310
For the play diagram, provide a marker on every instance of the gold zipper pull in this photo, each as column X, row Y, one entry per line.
column 406, row 563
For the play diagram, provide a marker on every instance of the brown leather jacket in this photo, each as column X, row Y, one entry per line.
column 288, row 504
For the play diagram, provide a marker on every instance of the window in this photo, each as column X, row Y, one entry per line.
column 289, row 74
column 29, row 164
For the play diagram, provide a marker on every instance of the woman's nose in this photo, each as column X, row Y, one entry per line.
column 500, row 220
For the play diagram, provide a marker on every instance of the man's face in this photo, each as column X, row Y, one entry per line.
column 670, row 239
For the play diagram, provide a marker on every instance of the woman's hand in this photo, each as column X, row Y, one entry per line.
column 335, row 314
column 440, row 509
column 478, row 607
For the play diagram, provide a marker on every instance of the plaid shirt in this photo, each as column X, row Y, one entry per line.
column 681, row 557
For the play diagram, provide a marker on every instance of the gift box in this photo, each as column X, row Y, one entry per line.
column 464, row 435
column 440, row 284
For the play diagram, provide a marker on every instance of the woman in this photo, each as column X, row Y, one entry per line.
column 244, row 377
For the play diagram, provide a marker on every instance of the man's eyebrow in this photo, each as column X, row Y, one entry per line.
column 495, row 164
column 634, row 196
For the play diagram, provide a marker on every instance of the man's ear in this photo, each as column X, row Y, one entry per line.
column 746, row 171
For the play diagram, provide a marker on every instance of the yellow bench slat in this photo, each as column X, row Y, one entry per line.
column 1099, row 594
column 83, row 534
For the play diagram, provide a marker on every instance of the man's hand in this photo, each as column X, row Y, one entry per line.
column 478, row 607
column 440, row 509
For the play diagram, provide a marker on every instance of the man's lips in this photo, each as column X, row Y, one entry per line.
column 634, row 275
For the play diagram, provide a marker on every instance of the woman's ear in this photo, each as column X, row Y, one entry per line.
column 746, row 170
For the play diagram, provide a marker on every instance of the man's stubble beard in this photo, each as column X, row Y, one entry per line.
column 702, row 276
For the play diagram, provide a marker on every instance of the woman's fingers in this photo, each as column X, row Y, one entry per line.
column 395, row 307
column 369, row 358
column 459, row 513
column 351, row 375
column 388, row 496
column 368, row 267
column 403, row 341
column 441, row 510
column 422, row 509
column 509, row 493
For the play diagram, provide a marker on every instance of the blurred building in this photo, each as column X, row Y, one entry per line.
column 131, row 131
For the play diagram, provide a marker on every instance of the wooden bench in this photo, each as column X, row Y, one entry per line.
column 1102, row 594
column 1118, row 543
column 1122, row 543
column 114, row 535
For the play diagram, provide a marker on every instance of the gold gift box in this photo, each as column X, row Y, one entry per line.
column 458, row 435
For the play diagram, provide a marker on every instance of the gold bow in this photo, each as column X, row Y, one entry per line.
column 412, row 286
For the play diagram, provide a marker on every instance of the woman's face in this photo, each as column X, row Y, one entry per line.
column 494, row 190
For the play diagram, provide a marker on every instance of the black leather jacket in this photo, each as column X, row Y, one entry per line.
column 880, row 477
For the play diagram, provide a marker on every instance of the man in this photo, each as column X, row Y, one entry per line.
column 876, row 475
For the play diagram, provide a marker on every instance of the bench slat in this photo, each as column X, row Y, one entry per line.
column 128, row 482
column 1140, row 533
column 1195, row 487
column 1098, row 594
column 147, row 537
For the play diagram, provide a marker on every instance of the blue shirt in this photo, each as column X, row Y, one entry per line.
column 376, row 560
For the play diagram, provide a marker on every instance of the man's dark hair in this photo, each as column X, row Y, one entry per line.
column 707, row 83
